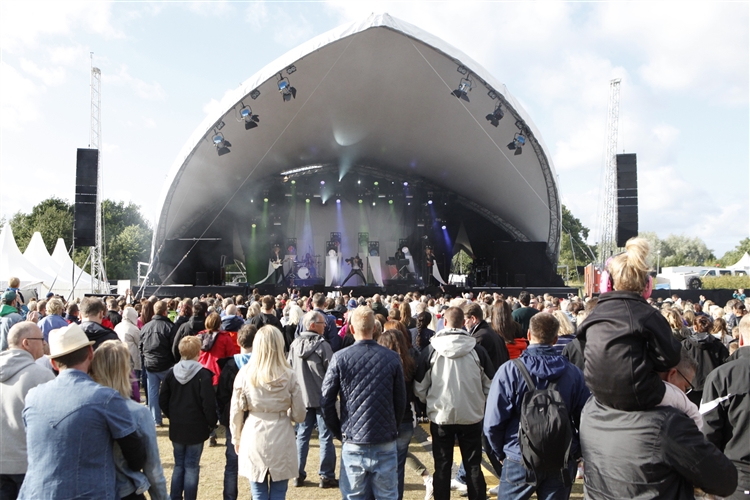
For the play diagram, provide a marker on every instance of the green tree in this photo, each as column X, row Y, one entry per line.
column 574, row 251
column 461, row 263
column 732, row 256
column 53, row 218
column 127, row 235
column 678, row 250
column 126, row 249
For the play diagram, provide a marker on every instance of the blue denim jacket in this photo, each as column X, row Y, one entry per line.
column 71, row 424
column 152, row 478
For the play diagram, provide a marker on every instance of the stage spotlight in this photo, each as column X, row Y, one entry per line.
column 519, row 140
column 406, row 184
column 287, row 91
column 255, row 94
column 307, row 200
column 463, row 87
column 251, row 120
column 375, row 183
column 291, row 69
column 443, row 226
column 221, row 144
column 294, row 182
column 265, row 200
column 495, row 117
column 322, row 183
column 360, row 202
column 373, row 203
column 253, row 225
column 338, row 201
column 429, row 202
column 462, row 70
column 390, row 202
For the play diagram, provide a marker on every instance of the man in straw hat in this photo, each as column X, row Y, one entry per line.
column 71, row 425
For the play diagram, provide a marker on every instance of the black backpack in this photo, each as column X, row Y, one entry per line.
column 544, row 431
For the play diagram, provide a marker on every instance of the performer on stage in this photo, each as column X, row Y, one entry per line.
column 429, row 263
column 356, row 264
column 400, row 255
column 277, row 261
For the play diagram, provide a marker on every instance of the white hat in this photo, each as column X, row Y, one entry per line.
column 66, row 340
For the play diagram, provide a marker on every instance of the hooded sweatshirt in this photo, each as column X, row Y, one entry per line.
column 453, row 378
column 309, row 356
column 508, row 388
column 188, row 399
column 709, row 353
column 185, row 370
column 18, row 375
column 128, row 331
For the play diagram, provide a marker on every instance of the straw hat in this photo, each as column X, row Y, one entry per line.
column 66, row 340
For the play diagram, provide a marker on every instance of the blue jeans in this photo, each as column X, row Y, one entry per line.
column 513, row 485
column 230, row 470
column 154, row 384
column 369, row 470
column 405, row 432
column 187, row 459
column 269, row 489
column 327, row 450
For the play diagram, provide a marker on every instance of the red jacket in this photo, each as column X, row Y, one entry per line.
column 222, row 348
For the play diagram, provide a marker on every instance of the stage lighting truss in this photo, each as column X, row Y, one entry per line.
column 464, row 86
column 497, row 115
column 285, row 88
column 246, row 115
column 519, row 140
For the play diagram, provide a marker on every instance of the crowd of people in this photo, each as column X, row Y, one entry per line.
column 640, row 398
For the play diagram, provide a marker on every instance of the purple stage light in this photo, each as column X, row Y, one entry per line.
column 338, row 201
column 322, row 183
column 406, row 183
column 443, row 227
column 429, row 202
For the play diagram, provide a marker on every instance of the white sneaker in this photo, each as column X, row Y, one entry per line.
column 493, row 491
column 458, row 486
column 428, row 487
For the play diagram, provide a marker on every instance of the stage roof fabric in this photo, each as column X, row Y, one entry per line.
column 379, row 93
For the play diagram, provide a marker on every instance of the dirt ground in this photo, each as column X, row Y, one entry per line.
column 212, row 470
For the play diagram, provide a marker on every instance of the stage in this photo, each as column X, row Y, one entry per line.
column 189, row 291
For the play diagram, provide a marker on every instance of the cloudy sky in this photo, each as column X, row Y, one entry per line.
column 684, row 101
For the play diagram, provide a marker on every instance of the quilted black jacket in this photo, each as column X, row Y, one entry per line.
column 370, row 381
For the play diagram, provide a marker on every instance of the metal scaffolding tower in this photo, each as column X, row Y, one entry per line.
column 99, row 281
column 608, row 209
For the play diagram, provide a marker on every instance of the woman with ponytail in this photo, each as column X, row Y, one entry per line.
column 625, row 341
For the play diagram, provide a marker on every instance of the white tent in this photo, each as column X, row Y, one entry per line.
column 743, row 263
column 61, row 257
column 13, row 263
column 37, row 254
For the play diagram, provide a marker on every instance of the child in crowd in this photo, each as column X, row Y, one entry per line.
column 626, row 342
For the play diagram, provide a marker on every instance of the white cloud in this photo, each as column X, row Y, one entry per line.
column 214, row 107
column 50, row 75
column 149, row 91
column 149, row 123
column 257, row 14
column 19, row 98
column 23, row 24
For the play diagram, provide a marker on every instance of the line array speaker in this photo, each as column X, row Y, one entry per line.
column 87, row 169
column 627, row 198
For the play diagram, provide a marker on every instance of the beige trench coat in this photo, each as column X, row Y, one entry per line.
column 267, row 440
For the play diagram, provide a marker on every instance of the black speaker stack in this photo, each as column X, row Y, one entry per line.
column 87, row 170
column 627, row 198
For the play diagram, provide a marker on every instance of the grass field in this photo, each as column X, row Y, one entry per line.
column 212, row 470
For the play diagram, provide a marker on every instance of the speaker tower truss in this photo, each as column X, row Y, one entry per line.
column 608, row 208
column 99, row 281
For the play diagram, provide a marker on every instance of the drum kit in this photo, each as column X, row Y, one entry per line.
column 306, row 269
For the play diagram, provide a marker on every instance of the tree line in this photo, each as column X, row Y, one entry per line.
column 126, row 241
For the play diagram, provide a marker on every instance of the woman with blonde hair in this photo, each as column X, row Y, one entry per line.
column 111, row 367
column 626, row 340
column 566, row 333
column 265, row 390
column 679, row 330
